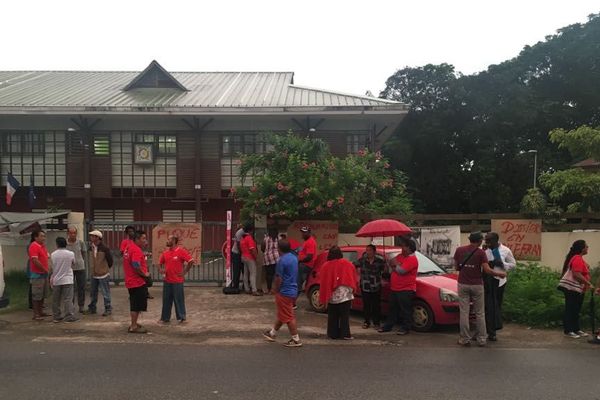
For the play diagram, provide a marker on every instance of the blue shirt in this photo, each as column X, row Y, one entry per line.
column 287, row 270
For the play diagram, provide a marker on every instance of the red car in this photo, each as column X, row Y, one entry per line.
column 436, row 300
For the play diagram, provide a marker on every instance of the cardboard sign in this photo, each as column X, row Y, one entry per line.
column 325, row 233
column 522, row 236
column 190, row 238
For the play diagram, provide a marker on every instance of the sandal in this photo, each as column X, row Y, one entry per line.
column 139, row 329
column 366, row 325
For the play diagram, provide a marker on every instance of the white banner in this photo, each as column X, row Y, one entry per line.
column 438, row 243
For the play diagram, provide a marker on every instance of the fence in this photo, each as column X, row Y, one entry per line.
column 212, row 266
column 565, row 222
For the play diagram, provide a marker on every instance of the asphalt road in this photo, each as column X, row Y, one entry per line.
column 30, row 370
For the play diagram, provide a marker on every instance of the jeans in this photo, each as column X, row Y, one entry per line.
column 62, row 298
column 573, row 304
column 236, row 265
column 466, row 293
column 400, row 310
column 173, row 293
column 338, row 320
column 103, row 285
column 270, row 270
column 79, row 287
column 249, row 275
column 371, row 307
column 493, row 315
column 303, row 271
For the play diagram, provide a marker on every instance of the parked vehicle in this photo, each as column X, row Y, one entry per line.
column 436, row 300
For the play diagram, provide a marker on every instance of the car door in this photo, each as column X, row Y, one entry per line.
column 353, row 256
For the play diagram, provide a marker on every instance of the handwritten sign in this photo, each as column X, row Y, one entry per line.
column 325, row 233
column 190, row 238
column 522, row 236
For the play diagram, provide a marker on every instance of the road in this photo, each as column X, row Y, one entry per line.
column 58, row 370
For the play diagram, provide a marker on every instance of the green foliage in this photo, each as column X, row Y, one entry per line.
column 464, row 143
column 581, row 142
column 531, row 298
column 300, row 179
column 17, row 287
column 577, row 189
column 533, row 203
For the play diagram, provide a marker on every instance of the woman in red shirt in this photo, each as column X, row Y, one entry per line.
column 403, row 286
column 338, row 285
column 574, row 299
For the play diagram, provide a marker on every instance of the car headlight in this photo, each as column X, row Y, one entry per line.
column 448, row 296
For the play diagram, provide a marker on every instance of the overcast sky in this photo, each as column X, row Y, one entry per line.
column 348, row 46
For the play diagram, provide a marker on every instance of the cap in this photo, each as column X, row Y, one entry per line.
column 305, row 229
column 475, row 237
column 96, row 233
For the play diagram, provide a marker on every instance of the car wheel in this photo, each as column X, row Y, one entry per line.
column 313, row 299
column 423, row 319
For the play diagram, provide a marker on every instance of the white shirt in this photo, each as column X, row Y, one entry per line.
column 62, row 267
column 507, row 259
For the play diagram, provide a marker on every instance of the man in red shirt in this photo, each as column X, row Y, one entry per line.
column 136, row 277
column 38, row 276
column 306, row 257
column 249, row 254
column 129, row 234
column 175, row 262
column 403, row 286
column 471, row 262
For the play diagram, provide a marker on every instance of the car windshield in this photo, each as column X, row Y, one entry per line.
column 426, row 265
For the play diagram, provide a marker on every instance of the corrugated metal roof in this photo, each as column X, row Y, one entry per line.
column 223, row 90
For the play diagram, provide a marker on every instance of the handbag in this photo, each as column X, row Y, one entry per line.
column 568, row 282
column 148, row 280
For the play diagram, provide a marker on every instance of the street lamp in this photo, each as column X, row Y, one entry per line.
column 534, row 152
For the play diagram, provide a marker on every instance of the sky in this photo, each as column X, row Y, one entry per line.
column 347, row 46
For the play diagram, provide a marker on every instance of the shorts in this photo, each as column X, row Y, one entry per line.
column 138, row 299
column 39, row 288
column 285, row 308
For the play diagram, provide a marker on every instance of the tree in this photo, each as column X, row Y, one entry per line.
column 575, row 188
column 298, row 178
column 464, row 142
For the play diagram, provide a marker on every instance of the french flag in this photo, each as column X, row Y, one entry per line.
column 12, row 184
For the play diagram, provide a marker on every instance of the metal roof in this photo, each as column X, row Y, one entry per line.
column 31, row 91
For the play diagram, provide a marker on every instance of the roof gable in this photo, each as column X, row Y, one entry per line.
column 154, row 77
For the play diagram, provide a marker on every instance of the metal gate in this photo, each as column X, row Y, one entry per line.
column 210, row 271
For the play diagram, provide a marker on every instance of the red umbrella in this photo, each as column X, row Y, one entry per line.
column 383, row 228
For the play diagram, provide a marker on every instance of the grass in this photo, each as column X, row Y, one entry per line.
column 17, row 288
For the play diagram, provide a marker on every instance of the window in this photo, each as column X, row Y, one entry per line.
column 102, row 145
column 170, row 216
column 28, row 144
column 232, row 147
column 165, row 144
column 34, row 156
column 113, row 215
column 356, row 142
column 135, row 180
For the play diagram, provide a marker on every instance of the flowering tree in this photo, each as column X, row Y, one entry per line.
column 298, row 178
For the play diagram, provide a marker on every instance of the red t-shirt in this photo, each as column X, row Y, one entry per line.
column 132, row 259
column 124, row 244
column 294, row 244
column 173, row 260
column 38, row 251
column 578, row 264
column 472, row 271
column 408, row 281
column 309, row 247
column 246, row 245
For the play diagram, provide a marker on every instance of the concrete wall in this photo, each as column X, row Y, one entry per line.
column 555, row 245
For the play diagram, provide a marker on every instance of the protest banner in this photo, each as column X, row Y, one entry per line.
column 438, row 243
column 190, row 238
column 325, row 233
column 522, row 236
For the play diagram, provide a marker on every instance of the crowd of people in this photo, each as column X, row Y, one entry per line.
column 482, row 268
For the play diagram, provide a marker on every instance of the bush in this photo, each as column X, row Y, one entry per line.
column 531, row 298
column 17, row 287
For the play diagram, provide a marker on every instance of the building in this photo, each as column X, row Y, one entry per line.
column 160, row 146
